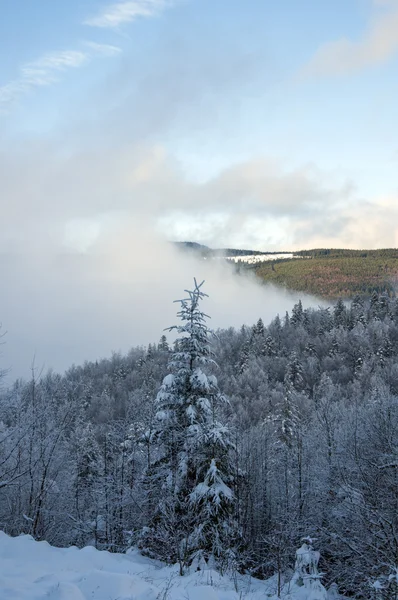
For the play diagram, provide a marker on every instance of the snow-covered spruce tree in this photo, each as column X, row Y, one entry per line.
column 190, row 483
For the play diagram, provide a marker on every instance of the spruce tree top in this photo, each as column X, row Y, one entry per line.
column 193, row 348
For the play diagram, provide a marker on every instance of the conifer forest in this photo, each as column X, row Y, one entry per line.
column 228, row 446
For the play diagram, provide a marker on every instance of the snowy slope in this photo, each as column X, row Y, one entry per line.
column 32, row 570
column 252, row 259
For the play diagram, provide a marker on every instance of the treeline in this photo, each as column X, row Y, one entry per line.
column 235, row 252
column 312, row 423
column 334, row 275
column 345, row 253
column 206, row 252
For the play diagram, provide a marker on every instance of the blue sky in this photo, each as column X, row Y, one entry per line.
column 264, row 124
column 258, row 124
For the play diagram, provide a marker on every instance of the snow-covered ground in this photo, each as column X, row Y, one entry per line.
column 31, row 570
column 251, row 259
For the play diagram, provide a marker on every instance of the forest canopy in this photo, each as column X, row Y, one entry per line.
column 303, row 411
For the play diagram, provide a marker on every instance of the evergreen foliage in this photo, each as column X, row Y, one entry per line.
column 193, row 473
column 333, row 273
column 306, row 445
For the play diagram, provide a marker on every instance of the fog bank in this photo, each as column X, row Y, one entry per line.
column 64, row 308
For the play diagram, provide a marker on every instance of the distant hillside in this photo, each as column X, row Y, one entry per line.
column 221, row 252
column 329, row 273
column 230, row 252
column 334, row 273
column 193, row 247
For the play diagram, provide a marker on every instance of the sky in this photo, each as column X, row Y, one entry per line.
column 257, row 124
column 269, row 125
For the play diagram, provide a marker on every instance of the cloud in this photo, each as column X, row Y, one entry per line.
column 47, row 69
column 84, row 271
column 114, row 15
column 64, row 307
column 103, row 49
column 200, row 89
column 41, row 72
column 257, row 203
column 376, row 46
column 81, row 266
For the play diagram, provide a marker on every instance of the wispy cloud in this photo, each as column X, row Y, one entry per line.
column 47, row 69
column 118, row 13
column 103, row 49
column 376, row 46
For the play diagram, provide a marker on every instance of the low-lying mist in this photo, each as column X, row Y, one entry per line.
column 62, row 308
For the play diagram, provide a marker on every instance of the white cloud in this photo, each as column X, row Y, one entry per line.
column 46, row 71
column 103, row 49
column 79, row 253
column 114, row 15
column 376, row 46
column 41, row 72
column 258, row 203
column 56, row 61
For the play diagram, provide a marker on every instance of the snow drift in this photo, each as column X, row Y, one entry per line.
column 31, row 570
